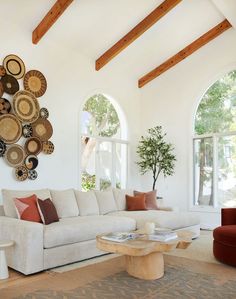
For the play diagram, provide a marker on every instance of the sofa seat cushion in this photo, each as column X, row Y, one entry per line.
column 84, row 228
column 172, row 220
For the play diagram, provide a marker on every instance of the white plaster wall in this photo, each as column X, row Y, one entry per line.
column 71, row 78
column 228, row 9
column 171, row 101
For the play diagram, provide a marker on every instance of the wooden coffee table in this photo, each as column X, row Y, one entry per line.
column 144, row 258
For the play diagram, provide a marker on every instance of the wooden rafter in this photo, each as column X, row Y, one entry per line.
column 137, row 31
column 54, row 13
column 191, row 48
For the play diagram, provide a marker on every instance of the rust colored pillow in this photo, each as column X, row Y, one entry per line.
column 47, row 211
column 135, row 203
column 27, row 208
column 150, row 199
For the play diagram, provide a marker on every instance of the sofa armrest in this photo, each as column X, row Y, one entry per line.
column 26, row 255
column 228, row 216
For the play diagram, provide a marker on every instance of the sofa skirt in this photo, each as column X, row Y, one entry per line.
column 62, row 255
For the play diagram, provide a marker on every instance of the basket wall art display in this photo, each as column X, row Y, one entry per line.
column 25, row 129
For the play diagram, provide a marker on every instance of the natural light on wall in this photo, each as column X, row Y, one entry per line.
column 103, row 145
column 214, row 145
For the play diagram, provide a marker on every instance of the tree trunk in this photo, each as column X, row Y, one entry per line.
column 154, row 183
column 90, row 143
column 86, row 153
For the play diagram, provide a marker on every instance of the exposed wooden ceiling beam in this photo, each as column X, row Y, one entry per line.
column 138, row 30
column 54, row 13
column 191, row 48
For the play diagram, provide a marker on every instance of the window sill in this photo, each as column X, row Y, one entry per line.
column 205, row 209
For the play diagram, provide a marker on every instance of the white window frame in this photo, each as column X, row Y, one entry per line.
column 114, row 142
column 205, row 208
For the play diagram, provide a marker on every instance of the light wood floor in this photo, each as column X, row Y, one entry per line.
column 19, row 279
column 16, row 278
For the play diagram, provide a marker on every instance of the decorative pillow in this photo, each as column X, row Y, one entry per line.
column 135, row 203
column 27, row 209
column 119, row 195
column 87, row 203
column 150, row 199
column 65, row 203
column 106, row 202
column 47, row 211
column 9, row 195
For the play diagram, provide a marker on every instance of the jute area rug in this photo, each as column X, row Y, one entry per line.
column 184, row 278
column 200, row 249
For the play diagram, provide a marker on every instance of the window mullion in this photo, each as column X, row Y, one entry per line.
column 113, row 165
column 126, row 165
column 215, row 171
column 97, row 165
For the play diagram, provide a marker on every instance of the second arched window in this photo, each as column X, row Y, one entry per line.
column 103, row 151
column 215, row 145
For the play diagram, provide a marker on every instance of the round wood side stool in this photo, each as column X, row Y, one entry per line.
column 3, row 262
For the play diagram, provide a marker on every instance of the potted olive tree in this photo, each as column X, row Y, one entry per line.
column 155, row 154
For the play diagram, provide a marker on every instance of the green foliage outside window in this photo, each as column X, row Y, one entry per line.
column 89, row 183
column 105, row 121
column 217, row 110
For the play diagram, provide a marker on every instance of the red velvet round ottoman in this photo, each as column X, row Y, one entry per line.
column 224, row 246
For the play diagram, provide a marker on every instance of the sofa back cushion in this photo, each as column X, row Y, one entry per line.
column 10, row 195
column 87, row 203
column 65, row 203
column 119, row 195
column 106, row 202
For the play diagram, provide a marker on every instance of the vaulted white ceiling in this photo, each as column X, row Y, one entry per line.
column 93, row 26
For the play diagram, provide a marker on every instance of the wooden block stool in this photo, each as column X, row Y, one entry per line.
column 3, row 262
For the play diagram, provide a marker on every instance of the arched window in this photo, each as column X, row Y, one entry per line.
column 103, row 144
column 215, row 145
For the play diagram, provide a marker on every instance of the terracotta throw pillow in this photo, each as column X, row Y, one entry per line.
column 150, row 199
column 27, row 209
column 47, row 211
column 135, row 203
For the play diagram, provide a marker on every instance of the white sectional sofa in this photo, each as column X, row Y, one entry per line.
column 82, row 217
